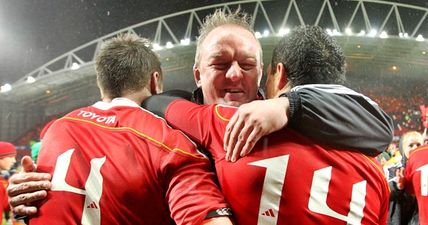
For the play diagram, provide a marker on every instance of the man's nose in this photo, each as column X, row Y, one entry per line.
column 234, row 72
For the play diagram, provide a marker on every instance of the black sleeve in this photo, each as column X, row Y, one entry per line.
column 338, row 116
column 157, row 104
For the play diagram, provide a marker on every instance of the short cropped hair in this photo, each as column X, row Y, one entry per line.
column 124, row 64
column 220, row 18
column 310, row 56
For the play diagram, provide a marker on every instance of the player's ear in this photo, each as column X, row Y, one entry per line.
column 282, row 75
column 197, row 75
column 155, row 83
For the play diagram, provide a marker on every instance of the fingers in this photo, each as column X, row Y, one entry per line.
column 234, row 137
column 28, row 182
column 252, row 139
column 28, row 164
column 23, row 210
column 26, row 200
column 229, row 128
column 240, row 142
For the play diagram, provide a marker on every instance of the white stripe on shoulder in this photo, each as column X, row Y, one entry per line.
column 333, row 88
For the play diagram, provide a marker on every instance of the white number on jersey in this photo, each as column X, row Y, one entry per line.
column 424, row 179
column 276, row 169
column 93, row 187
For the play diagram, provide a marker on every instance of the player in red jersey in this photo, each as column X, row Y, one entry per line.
column 417, row 180
column 289, row 179
column 116, row 163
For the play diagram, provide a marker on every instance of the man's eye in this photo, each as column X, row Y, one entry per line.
column 220, row 66
column 247, row 66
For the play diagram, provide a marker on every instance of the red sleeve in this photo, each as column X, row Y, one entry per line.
column 4, row 199
column 192, row 192
column 191, row 118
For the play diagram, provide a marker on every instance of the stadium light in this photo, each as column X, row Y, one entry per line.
column 424, row 52
column 329, row 31
column 75, row 66
column 420, row 38
column 266, row 33
column 362, row 33
column 169, row 45
column 383, row 35
column 185, row 41
column 336, row 33
column 5, row 88
column 30, row 79
column 372, row 33
column 156, row 47
column 258, row 34
column 283, row 31
column 348, row 31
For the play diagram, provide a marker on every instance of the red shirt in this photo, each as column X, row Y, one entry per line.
column 116, row 163
column 417, row 180
column 4, row 204
column 288, row 179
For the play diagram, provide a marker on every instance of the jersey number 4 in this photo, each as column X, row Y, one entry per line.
column 93, row 186
column 276, row 169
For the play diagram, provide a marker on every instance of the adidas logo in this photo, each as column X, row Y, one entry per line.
column 93, row 205
column 269, row 213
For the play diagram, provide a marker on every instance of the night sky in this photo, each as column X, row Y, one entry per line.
column 32, row 32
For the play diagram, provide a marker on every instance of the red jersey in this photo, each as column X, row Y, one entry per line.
column 4, row 204
column 417, row 180
column 116, row 163
column 287, row 179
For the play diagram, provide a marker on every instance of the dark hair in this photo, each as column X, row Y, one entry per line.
column 124, row 64
column 310, row 56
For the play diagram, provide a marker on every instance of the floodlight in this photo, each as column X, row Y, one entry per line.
column 348, row 31
column 30, row 79
column 283, row 31
column 383, row 34
column 156, row 47
column 362, row 33
column 185, row 41
column 169, row 45
column 266, row 33
column 372, row 33
column 75, row 66
column 5, row 88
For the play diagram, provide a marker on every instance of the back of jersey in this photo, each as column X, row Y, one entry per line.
column 100, row 175
column 417, row 180
column 119, row 166
column 289, row 180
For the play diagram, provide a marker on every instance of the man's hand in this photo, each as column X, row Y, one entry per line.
column 251, row 122
column 401, row 181
column 26, row 188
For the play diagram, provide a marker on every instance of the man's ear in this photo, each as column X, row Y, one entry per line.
column 280, row 70
column 197, row 76
column 155, row 83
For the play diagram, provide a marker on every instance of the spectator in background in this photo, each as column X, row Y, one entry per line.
column 415, row 177
column 35, row 149
column 403, row 207
column 7, row 160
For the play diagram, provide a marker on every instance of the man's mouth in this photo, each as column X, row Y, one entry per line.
column 233, row 91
